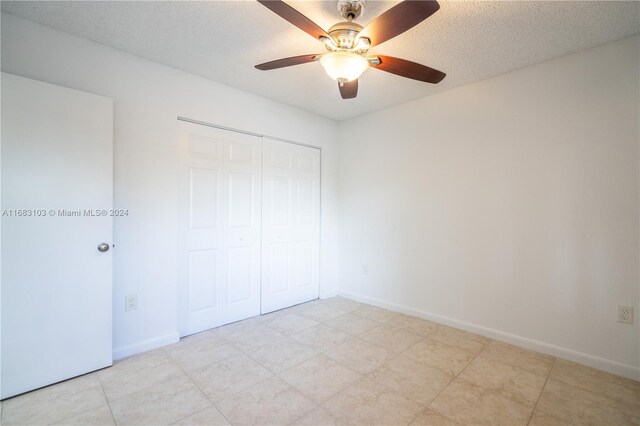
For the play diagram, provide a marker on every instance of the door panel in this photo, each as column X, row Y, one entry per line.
column 202, row 280
column 200, row 146
column 278, row 268
column 280, row 194
column 291, row 227
column 203, row 198
column 220, row 209
column 239, row 272
column 57, row 156
column 240, row 200
column 304, row 263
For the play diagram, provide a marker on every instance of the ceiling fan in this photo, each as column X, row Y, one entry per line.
column 348, row 43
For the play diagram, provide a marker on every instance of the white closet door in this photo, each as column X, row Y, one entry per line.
column 219, row 244
column 291, row 224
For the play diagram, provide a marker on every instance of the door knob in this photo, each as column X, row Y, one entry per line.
column 102, row 247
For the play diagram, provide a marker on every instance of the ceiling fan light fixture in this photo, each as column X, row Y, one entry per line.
column 343, row 65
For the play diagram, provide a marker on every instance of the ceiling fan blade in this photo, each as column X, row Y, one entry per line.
column 408, row 69
column 288, row 13
column 287, row 62
column 349, row 90
column 398, row 19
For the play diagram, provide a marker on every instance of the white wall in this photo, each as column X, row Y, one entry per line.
column 509, row 207
column 147, row 99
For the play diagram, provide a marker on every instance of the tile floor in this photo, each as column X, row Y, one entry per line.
column 335, row 361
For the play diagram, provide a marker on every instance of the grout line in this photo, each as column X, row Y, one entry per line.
column 200, row 389
column 106, row 399
column 317, row 352
column 456, row 376
column 274, row 374
column 196, row 412
column 544, row 386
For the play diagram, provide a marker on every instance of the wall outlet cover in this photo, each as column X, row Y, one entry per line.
column 131, row 302
column 625, row 314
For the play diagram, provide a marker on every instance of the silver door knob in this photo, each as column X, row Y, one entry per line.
column 102, row 247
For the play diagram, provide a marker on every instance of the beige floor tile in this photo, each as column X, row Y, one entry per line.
column 213, row 333
column 209, row 416
column 392, row 339
column 100, row 416
column 432, row 418
column 138, row 372
column 461, row 339
column 413, row 325
column 542, row 419
column 367, row 402
column 54, row 403
column 271, row 402
column 467, row 403
column 290, row 323
column 596, row 381
column 437, row 354
column 192, row 354
column 251, row 338
column 159, row 404
column 228, row 377
column 287, row 311
column 321, row 337
column 353, row 324
column 236, row 328
column 359, row 355
column 412, row 379
column 581, row 407
column 375, row 313
column 342, row 303
column 281, row 354
column 504, row 379
column 318, row 417
column 533, row 362
column 320, row 377
column 301, row 306
column 318, row 311
column 272, row 315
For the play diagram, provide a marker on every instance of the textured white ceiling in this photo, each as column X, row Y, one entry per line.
column 223, row 40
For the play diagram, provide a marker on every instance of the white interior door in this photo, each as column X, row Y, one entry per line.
column 219, row 248
column 56, row 285
column 291, row 224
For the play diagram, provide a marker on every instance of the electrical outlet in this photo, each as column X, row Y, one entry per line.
column 364, row 269
column 131, row 302
column 625, row 314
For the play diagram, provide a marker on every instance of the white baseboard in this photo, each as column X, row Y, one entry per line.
column 625, row 370
column 145, row 346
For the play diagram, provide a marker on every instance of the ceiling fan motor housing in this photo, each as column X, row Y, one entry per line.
column 344, row 34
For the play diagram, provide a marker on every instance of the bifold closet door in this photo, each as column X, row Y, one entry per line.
column 219, row 243
column 290, row 224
